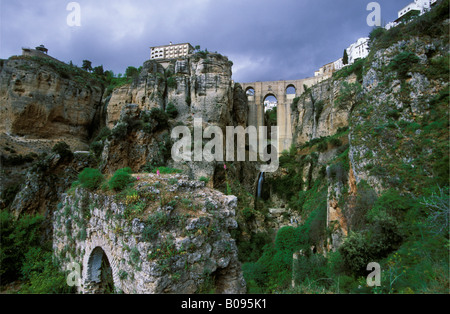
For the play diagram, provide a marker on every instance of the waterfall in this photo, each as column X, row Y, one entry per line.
column 260, row 185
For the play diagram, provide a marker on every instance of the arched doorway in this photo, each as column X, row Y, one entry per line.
column 99, row 273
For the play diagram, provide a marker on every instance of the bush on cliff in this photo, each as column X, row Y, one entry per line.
column 120, row 179
column 63, row 149
column 90, row 178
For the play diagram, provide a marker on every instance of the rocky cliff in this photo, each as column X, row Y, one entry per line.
column 169, row 235
column 371, row 125
column 46, row 99
column 199, row 86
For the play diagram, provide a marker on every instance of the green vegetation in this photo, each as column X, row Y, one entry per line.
column 403, row 62
column 271, row 116
column 426, row 26
column 166, row 170
column 25, row 257
column 63, row 149
column 90, row 179
column 120, row 179
column 356, row 68
column 171, row 111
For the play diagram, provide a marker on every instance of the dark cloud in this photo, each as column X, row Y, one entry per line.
column 265, row 39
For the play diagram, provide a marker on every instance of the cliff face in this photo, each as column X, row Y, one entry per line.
column 381, row 126
column 198, row 86
column 41, row 99
column 315, row 114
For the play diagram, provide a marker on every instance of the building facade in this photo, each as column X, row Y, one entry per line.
column 420, row 6
column 171, row 51
column 328, row 69
column 358, row 50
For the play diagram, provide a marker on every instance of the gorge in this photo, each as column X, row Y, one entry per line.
column 88, row 175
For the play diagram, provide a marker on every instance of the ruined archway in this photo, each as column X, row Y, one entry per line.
column 99, row 274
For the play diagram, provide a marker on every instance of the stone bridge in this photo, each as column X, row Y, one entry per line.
column 284, row 92
column 141, row 246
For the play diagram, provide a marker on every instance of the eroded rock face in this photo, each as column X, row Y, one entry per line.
column 39, row 102
column 182, row 246
column 147, row 91
column 316, row 114
column 197, row 86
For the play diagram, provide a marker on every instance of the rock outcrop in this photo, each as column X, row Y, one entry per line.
column 152, row 245
column 198, row 86
column 41, row 99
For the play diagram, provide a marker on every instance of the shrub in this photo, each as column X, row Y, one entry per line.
column 375, row 34
column 120, row 179
column 63, row 149
column 172, row 111
column 310, row 267
column 42, row 275
column 255, row 274
column 391, row 202
column 335, row 142
column 355, row 252
column 120, row 130
column 403, row 62
column 286, row 239
column 204, row 179
column 90, row 178
column 384, row 236
column 96, row 148
column 171, row 82
column 437, row 208
column 16, row 238
column 103, row 134
column 160, row 117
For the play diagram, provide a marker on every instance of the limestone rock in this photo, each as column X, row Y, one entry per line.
column 172, row 254
column 37, row 101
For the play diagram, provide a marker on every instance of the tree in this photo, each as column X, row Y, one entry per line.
column 131, row 72
column 99, row 70
column 87, row 65
column 345, row 57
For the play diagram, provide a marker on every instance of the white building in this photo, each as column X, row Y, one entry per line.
column 328, row 69
column 358, row 50
column 420, row 6
column 269, row 105
column 171, row 51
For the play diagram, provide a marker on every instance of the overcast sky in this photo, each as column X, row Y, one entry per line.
column 266, row 39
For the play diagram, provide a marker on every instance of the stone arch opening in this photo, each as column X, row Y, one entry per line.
column 99, row 273
column 291, row 90
column 270, row 101
column 250, row 92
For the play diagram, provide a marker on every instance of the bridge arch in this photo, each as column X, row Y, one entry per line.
column 99, row 273
column 250, row 91
column 291, row 89
column 272, row 99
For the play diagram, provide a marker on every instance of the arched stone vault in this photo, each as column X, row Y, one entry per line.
column 88, row 262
